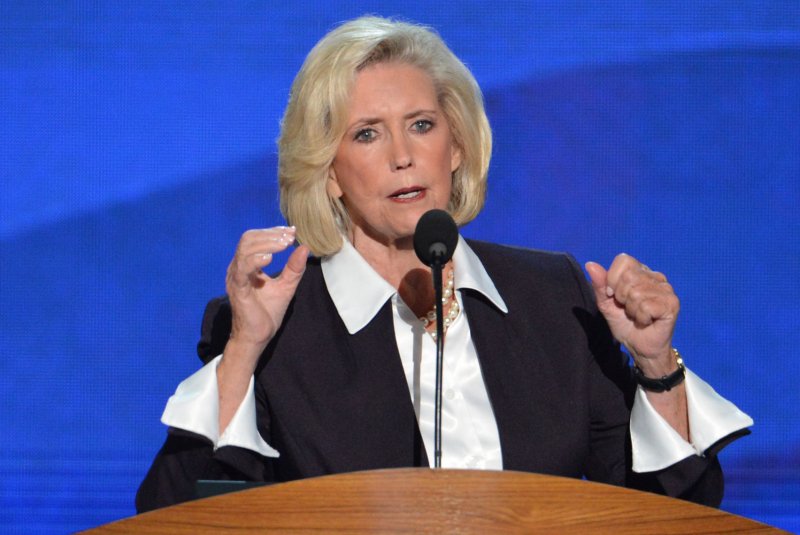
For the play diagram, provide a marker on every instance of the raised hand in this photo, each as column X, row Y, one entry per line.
column 641, row 309
column 258, row 305
column 259, row 302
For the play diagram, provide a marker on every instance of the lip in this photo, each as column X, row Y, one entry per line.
column 419, row 190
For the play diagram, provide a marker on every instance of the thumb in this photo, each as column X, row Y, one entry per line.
column 598, row 277
column 295, row 266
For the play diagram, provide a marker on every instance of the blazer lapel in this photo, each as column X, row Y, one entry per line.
column 510, row 380
column 397, row 439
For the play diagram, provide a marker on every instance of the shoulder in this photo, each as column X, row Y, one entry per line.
column 505, row 261
column 527, row 278
column 521, row 254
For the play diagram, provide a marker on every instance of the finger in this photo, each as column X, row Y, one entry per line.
column 635, row 282
column 656, row 302
column 621, row 265
column 598, row 276
column 265, row 241
column 651, row 310
column 637, row 274
column 295, row 266
column 297, row 260
column 244, row 272
column 252, row 235
column 625, row 271
column 271, row 231
column 256, row 247
column 251, row 268
column 655, row 275
column 253, row 263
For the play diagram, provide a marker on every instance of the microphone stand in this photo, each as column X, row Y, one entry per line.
column 435, row 240
column 436, row 269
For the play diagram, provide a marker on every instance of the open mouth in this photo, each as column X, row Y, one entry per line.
column 407, row 194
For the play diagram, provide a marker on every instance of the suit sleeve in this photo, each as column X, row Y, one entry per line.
column 696, row 478
column 187, row 457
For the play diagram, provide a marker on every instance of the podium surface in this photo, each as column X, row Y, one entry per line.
column 438, row 501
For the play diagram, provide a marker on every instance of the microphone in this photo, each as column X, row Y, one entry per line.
column 435, row 237
column 435, row 240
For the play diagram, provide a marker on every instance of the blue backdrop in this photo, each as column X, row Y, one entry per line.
column 138, row 144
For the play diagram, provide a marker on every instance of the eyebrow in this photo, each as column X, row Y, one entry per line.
column 365, row 121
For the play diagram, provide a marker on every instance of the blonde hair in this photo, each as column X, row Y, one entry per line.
column 316, row 119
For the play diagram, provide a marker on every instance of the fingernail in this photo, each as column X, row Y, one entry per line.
column 609, row 291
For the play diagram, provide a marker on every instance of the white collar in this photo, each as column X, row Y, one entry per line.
column 358, row 292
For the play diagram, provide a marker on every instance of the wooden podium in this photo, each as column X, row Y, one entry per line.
column 421, row 500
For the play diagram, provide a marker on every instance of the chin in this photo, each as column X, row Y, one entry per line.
column 404, row 230
column 401, row 226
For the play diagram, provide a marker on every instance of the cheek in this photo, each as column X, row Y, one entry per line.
column 448, row 160
column 350, row 184
column 342, row 172
column 351, row 170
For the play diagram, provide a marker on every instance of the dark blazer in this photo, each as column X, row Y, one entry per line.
column 331, row 402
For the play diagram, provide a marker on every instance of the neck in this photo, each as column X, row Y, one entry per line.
column 398, row 264
column 393, row 260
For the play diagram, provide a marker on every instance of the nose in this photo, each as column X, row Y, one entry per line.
column 401, row 152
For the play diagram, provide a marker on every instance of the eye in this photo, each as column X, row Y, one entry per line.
column 365, row 135
column 423, row 125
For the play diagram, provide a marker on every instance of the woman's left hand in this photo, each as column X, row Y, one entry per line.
column 641, row 308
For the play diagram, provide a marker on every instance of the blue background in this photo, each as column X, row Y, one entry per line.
column 137, row 144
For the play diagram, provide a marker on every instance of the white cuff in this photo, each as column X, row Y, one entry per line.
column 195, row 407
column 656, row 445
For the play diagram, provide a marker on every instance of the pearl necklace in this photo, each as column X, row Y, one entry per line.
column 452, row 313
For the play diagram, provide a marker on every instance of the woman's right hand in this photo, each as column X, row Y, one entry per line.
column 258, row 305
column 259, row 302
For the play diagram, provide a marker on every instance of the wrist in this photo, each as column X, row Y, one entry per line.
column 661, row 378
column 241, row 355
column 248, row 340
column 664, row 362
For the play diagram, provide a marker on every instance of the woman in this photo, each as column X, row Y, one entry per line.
column 383, row 124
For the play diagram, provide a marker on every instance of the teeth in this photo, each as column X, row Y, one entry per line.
column 408, row 195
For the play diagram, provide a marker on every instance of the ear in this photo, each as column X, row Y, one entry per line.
column 332, row 185
column 455, row 157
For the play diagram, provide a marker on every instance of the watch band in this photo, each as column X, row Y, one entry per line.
column 667, row 382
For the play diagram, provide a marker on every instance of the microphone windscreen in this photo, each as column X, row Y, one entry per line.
column 435, row 237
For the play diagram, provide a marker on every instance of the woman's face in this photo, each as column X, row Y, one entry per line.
column 397, row 156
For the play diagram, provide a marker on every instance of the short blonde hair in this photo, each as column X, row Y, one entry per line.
column 316, row 119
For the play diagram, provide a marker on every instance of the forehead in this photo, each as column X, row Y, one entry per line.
column 387, row 87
